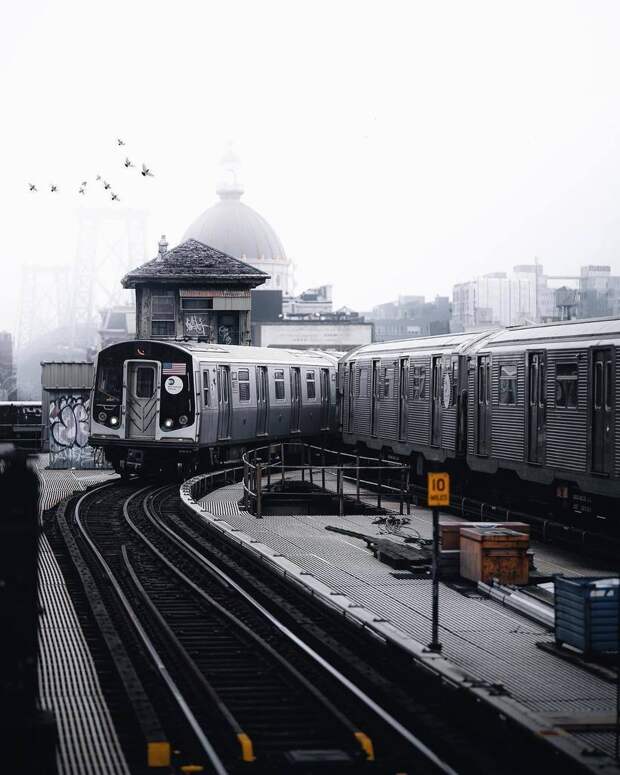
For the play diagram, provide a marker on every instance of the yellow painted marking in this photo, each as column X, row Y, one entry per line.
column 247, row 749
column 192, row 768
column 438, row 490
column 158, row 754
column 367, row 747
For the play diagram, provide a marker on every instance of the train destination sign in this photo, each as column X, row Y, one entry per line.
column 438, row 490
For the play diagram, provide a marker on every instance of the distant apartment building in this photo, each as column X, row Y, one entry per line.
column 410, row 316
column 599, row 292
column 502, row 299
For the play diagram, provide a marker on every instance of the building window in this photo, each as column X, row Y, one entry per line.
column 244, row 384
column 163, row 314
column 279, row 383
column 508, row 385
column 198, row 319
column 566, row 385
column 419, row 383
column 205, row 387
column 310, row 385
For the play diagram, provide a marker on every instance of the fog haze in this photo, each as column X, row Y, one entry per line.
column 394, row 147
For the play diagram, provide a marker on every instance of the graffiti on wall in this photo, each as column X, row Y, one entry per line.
column 68, row 432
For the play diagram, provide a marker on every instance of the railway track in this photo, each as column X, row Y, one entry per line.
column 233, row 685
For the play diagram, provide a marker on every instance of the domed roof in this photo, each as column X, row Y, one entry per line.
column 233, row 227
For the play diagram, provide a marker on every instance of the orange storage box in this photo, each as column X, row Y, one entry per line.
column 449, row 534
column 494, row 552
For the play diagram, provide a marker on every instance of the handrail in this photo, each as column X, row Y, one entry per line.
column 256, row 467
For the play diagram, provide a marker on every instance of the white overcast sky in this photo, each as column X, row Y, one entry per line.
column 396, row 147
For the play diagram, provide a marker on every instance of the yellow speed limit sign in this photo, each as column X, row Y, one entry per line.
column 438, row 490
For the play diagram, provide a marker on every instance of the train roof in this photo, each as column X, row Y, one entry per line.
column 453, row 342
column 20, row 403
column 595, row 329
column 240, row 353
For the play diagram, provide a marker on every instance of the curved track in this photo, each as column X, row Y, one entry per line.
column 238, row 685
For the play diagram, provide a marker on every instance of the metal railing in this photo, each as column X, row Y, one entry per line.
column 198, row 487
column 265, row 466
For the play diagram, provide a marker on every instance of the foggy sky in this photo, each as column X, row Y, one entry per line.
column 395, row 147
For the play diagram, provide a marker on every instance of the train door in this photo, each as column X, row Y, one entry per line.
column 436, row 401
column 484, row 404
column 141, row 402
column 325, row 399
column 536, row 389
column 262, row 401
column 374, row 406
column 602, row 411
column 295, row 399
column 223, row 402
column 403, row 411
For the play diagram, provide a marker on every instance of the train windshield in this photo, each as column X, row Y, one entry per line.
column 110, row 385
column 28, row 415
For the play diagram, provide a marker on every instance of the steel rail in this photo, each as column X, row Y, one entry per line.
column 210, row 752
column 362, row 739
column 383, row 714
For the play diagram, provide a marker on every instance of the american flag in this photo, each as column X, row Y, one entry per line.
column 174, row 368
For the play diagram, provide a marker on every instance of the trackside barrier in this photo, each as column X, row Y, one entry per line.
column 315, row 464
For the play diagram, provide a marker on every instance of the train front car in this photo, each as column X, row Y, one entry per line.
column 144, row 407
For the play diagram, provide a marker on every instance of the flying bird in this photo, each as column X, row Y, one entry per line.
column 84, row 182
column 98, row 177
column 115, row 197
column 119, row 141
column 106, row 185
column 32, row 187
column 53, row 188
column 82, row 190
column 146, row 171
column 129, row 163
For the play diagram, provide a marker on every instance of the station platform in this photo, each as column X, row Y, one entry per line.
column 68, row 682
column 487, row 648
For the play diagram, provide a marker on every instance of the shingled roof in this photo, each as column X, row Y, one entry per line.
column 194, row 262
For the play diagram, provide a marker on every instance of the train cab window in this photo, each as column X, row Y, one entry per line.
column 419, row 383
column 508, row 385
column 244, row 384
column 566, row 385
column 205, row 387
column 110, row 385
column 278, row 378
column 310, row 384
column 145, row 381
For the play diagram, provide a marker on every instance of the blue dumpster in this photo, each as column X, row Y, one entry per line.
column 586, row 613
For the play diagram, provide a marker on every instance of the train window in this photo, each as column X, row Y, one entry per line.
column 419, row 383
column 534, row 382
column 110, row 384
column 244, row 384
column 387, row 382
column 482, row 383
column 508, row 385
column 598, row 384
column 362, row 389
column 163, row 314
column 566, row 385
column 279, row 383
column 310, row 384
column 205, row 387
column 145, row 381
column 608, row 386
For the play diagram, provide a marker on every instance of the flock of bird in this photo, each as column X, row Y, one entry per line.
column 82, row 189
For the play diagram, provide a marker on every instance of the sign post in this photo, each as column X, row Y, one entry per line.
column 438, row 487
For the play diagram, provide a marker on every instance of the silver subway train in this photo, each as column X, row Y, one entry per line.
column 185, row 406
column 534, row 404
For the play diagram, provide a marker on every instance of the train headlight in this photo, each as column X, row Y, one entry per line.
column 113, row 420
column 168, row 423
column 102, row 416
column 183, row 419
